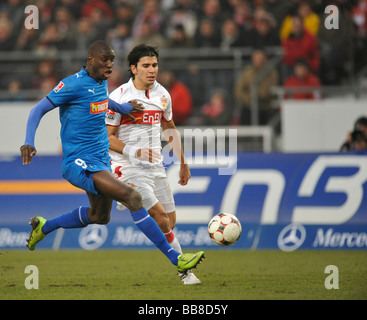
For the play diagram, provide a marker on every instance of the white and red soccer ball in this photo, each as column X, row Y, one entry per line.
column 224, row 229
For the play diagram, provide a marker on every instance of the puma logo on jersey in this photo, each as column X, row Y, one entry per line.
column 90, row 90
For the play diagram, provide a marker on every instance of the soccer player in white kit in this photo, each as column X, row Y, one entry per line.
column 136, row 143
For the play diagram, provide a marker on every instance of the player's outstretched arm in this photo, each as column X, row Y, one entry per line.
column 28, row 149
column 143, row 154
column 125, row 108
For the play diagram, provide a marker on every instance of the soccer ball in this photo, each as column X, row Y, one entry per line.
column 224, row 229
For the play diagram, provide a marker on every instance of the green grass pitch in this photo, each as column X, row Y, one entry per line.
column 147, row 275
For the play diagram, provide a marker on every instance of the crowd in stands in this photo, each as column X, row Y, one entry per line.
column 319, row 54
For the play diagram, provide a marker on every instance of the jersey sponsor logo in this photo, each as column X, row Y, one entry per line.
column 99, row 107
column 59, row 87
column 146, row 117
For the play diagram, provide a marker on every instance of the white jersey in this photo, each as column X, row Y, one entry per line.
column 145, row 132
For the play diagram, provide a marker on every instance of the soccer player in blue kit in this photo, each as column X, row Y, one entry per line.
column 82, row 100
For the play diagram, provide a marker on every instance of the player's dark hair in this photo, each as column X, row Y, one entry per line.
column 138, row 52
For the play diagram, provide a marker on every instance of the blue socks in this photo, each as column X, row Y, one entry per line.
column 78, row 219
column 74, row 219
column 151, row 229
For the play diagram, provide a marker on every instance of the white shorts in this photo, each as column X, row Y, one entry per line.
column 153, row 187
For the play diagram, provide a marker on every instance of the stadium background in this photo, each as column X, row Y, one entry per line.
column 291, row 187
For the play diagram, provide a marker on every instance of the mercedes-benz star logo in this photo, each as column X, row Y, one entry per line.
column 93, row 236
column 291, row 237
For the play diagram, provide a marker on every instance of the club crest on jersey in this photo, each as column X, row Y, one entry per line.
column 98, row 107
column 164, row 101
column 59, row 87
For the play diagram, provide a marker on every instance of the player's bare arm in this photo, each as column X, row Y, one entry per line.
column 143, row 154
column 174, row 141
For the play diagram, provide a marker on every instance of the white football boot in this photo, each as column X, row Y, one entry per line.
column 188, row 278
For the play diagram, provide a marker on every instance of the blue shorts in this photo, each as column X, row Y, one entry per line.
column 79, row 172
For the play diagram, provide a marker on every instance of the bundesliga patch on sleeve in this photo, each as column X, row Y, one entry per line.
column 59, row 87
column 110, row 114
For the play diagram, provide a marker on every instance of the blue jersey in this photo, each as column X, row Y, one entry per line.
column 83, row 102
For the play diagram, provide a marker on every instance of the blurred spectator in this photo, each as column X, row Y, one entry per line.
column 45, row 12
column 211, row 10
column 300, row 44
column 73, row 6
column 191, row 5
column 66, row 27
column 179, row 39
column 359, row 129
column 336, row 47
column 263, row 33
column 89, row 5
column 279, row 9
column 242, row 14
column 50, row 40
column 303, row 79
column 217, row 111
column 232, row 35
column 311, row 20
column 86, row 34
column 358, row 142
column 120, row 38
column 15, row 12
column 206, row 35
column 46, row 85
column 45, row 75
column 6, row 39
column 149, row 13
column 14, row 92
column 361, row 124
column 100, row 23
column 27, row 39
column 147, row 34
column 125, row 13
column 259, row 59
column 359, row 14
column 183, row 18
column 180, row 94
